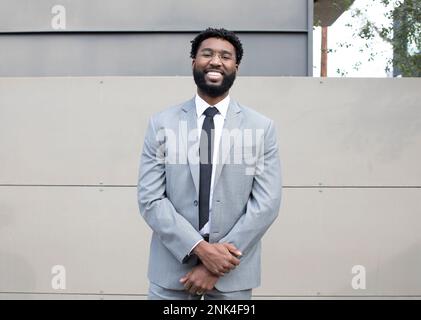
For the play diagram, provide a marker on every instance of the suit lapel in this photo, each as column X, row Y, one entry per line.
column 190, row 140
column 230, row 132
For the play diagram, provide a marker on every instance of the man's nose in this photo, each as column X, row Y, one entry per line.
column 216, row 60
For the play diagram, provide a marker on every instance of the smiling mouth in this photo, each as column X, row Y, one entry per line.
column 214, row 75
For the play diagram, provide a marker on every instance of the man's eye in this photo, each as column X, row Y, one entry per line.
column 226, row 57
column 206, row 54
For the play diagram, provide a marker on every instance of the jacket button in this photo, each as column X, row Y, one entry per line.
column 195, row 203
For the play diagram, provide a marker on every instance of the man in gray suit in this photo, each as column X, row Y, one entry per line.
column 209, row 183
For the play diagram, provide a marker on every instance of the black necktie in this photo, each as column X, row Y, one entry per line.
column 206, row 152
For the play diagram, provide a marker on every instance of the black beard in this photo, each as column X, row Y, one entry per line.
column 213, row 90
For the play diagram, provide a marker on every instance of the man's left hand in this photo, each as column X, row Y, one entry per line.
column 199, row 280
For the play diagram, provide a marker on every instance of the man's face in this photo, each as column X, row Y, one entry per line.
column 215, row 67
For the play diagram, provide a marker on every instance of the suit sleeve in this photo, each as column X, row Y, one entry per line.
column 175, row 232
column 265, row 198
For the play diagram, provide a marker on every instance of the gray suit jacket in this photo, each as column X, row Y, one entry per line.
column 246, row 196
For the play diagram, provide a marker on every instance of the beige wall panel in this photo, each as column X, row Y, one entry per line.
column 89, row 131
column 24, row 296
column 321, row 234
column 97, row 234
column 78, row 131
column 58, row 296
column 102, row 241
column 352, row 132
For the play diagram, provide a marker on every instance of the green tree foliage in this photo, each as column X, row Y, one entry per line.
column 402, row 32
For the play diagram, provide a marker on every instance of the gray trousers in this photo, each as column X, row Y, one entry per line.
column 159, row 293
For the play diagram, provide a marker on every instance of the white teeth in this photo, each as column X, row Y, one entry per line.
column 213, row 73
column 214, row 76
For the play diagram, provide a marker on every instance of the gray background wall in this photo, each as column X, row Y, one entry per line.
column 350, row 150
column 150, row 37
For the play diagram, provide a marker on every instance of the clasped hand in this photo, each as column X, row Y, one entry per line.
column 217, row 259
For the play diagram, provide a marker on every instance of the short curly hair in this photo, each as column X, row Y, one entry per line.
column 220, row 34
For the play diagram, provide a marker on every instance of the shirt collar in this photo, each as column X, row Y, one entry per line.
column 202, row 105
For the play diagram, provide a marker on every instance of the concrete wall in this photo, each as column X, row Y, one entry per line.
column 351, row 154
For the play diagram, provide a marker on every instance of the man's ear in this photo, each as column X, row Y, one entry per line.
column 193, row 62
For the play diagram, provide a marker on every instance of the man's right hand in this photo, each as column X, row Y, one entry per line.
column 218, row 258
